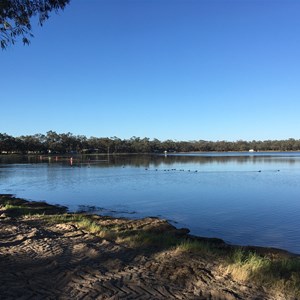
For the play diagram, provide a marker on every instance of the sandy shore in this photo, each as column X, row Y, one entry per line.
column 58, row 260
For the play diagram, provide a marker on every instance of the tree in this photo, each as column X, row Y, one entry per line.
column 15, row 18
column 33, row 143
column 9, row 144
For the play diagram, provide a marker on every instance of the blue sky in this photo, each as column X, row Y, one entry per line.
column 166, row 69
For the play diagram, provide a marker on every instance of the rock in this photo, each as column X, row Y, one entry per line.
column 3, row 216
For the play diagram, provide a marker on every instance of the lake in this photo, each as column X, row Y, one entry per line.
column 243, row 198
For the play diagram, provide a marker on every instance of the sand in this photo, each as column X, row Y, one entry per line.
column 42, row 260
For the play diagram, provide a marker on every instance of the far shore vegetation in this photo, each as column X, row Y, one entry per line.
column 62, row 143
column 276, row 270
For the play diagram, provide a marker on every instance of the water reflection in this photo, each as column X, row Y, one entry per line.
column 155, row 160
column 242, row 198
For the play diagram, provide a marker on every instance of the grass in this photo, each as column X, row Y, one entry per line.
column 280, row 274
column 17, row 210
column 277, row 273
column 84, row 222
column 204, row 248
column 147, row 239
column 81, row 221
column 16, row 207
column 131, row 237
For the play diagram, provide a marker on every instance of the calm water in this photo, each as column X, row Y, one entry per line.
column 242, row 198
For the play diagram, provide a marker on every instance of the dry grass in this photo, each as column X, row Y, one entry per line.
column 278, row 274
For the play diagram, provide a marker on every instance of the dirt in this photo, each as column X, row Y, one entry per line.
column 40, row 260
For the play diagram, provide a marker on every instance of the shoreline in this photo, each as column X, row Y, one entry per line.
column 47, row 252
column 66, row 154
column 60, row 209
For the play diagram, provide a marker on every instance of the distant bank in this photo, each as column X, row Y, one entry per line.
column 62, row 143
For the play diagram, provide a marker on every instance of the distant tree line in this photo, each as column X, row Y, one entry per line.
column 54, row 143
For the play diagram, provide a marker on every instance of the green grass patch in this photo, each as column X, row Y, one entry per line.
column 205, row 248
column 16, row 207
column 84, row 222
column 17, row 210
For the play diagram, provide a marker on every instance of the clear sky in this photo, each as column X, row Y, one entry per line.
column 166, row 69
